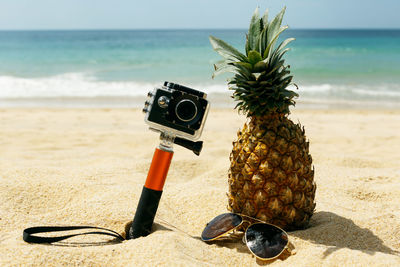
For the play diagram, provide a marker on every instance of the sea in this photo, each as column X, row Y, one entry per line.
column 116, row 68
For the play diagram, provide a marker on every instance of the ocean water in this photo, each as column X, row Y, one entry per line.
column 118, row 67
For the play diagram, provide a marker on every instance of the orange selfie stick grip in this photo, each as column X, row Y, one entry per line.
column 151, row 194
column 158, row 169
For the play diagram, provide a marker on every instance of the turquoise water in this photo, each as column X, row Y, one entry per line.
column 326, row 64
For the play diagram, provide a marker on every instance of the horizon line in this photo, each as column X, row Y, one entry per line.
column 182, row 29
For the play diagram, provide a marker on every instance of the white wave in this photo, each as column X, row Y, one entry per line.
column 314, row 88
column 388, row 93
column 223, row 88
column 69, row 85
column 351, row 92
column 82, row 85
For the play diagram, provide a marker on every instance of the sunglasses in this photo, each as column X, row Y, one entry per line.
column 264, row 240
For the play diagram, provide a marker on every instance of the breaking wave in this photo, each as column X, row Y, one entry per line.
column 75, row 86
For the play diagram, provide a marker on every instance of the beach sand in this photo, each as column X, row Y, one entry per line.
column 88, row 166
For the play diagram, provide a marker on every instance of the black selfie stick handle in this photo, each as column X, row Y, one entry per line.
column 145, row 213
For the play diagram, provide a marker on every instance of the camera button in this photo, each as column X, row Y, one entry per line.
column 163, row 102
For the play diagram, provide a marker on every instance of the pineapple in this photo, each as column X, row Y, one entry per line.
column 271, row 176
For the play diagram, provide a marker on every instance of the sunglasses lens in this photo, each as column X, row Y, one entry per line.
column 266, row 241
column 220, row 225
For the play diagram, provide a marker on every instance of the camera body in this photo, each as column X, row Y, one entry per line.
column 177, row 110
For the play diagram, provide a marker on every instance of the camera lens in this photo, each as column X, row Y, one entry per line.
column 186, row 110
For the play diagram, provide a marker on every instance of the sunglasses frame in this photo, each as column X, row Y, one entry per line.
column 244, row 217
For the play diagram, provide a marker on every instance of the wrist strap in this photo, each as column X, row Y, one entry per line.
column 30, row 238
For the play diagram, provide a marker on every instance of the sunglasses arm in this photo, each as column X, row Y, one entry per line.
column 152, row 190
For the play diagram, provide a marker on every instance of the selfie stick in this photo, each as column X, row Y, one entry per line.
column 152, row 189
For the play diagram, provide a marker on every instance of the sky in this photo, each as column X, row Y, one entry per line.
column 184, row 14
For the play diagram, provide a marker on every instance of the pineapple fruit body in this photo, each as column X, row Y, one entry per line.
column 271, row 175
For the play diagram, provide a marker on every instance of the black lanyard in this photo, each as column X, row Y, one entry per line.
column 30, row 238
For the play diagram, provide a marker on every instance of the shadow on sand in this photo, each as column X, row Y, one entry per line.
column 330, row 229
column 325, row 228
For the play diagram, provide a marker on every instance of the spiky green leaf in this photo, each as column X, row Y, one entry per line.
column 275, row 24
column 260, row 66
column 271, row 42
column 222, row 69
column 265, row 19
column 225, row 50
column 288, row 93
column 254, row 32
column 285, row 43
column 254, row 57
column 248, row 66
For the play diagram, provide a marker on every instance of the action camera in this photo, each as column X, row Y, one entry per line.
column 177, row 110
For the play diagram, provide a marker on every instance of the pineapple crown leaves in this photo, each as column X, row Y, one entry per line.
column 261, row 77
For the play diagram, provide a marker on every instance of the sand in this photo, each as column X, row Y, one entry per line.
column 88, row 166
